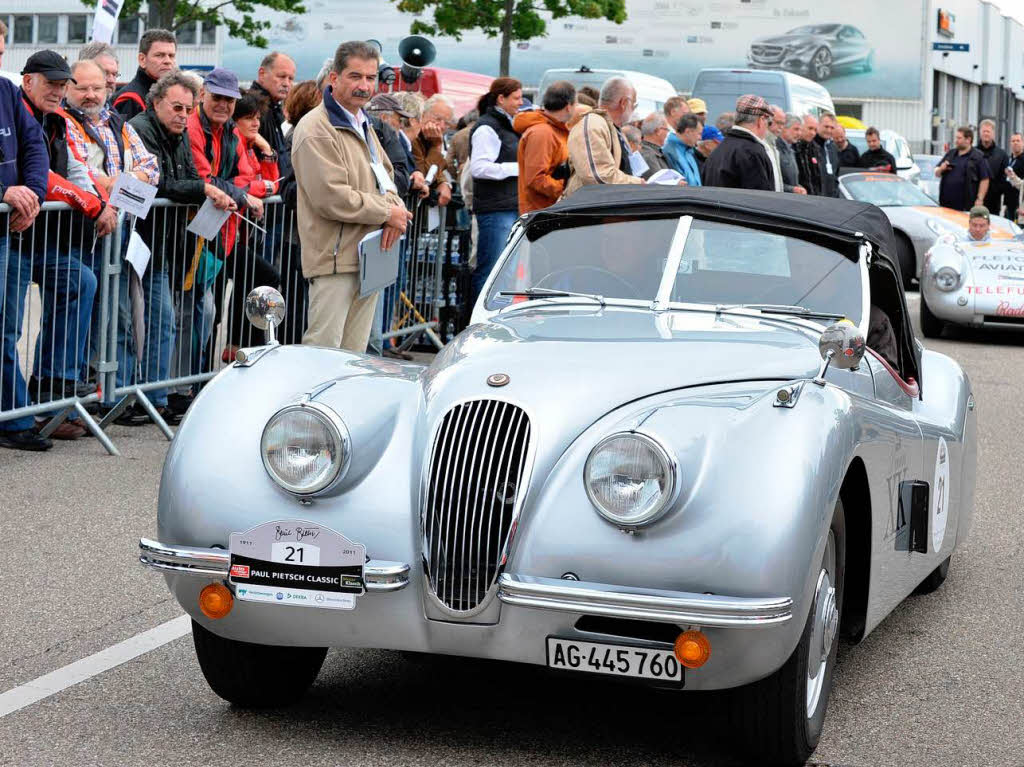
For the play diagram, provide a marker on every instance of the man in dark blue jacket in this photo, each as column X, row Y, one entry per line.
column 24, row 169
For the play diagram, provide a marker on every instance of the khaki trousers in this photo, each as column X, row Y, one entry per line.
column 338, row 317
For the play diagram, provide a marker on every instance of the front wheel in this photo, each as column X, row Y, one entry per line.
column 821, row 64
column 255, row 675
column 907, row 258
column 935, row 578
column 931, row 326
column 782, row 716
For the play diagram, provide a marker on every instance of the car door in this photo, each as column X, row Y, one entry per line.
column 845, row 46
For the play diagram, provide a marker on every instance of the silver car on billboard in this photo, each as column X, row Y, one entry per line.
column 665, row 452
column 818, row 51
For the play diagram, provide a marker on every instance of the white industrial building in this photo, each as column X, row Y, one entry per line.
column 66, row 25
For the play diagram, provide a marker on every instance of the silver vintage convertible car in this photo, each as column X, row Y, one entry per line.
column 666, row 451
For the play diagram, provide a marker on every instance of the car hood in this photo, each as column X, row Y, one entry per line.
column 791, row 40
column 1000, row 229
column 611, row 356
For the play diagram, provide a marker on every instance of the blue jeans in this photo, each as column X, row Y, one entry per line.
column 158, row 346
column 491, row 238
column 68, row 289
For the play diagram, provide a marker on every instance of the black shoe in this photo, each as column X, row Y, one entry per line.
column 132, row 416
column 179, row 403
column 170, row 417
column 28, row 439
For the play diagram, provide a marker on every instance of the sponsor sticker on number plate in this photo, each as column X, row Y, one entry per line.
column 297, row 562
column 614, row 659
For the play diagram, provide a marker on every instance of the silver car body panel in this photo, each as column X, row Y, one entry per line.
column 991, row 288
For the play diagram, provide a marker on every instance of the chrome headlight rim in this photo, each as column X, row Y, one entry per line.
column 338, row 429
column 947, row 271
column 668, row 497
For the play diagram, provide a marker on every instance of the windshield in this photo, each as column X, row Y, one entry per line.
column 721, row 264
column 815, row 29
column 884, row 190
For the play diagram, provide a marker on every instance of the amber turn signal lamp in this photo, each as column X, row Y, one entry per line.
column 215, row 601
column 692, row 649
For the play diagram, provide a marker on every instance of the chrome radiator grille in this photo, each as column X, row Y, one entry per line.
column 471, row 501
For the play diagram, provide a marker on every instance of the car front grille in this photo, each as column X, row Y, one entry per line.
column 767, row 52
column 478, row 467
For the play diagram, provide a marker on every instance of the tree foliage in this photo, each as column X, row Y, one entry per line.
column 511, row 19
column 241, row 17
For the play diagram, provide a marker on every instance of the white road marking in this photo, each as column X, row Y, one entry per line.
column 86, row 668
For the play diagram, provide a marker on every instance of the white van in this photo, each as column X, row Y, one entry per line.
column 651, row 92
column 720, row 87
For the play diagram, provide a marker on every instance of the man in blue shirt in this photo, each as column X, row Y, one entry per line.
column 24, row 169
column 679, row 148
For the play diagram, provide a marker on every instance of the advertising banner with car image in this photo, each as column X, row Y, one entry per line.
column 856, row 50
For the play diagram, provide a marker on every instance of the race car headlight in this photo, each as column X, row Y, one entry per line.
column 940, row 227
column 947, row 279
column 305, row 448
column 630, row 479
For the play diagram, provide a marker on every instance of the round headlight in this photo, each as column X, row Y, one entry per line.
column 630, row 479
column 305, row 448
column 947, row 279
column 940, row 227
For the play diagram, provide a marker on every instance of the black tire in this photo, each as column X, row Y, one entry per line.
column 821, row 64
column 907, row 259
column 772, row 714
column 256, row 675
column 935, row 578
column 931, row 326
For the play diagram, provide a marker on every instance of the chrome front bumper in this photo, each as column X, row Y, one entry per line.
column 378, row 575
column 677, row 607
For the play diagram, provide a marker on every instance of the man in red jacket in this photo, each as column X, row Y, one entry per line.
column 543, row 151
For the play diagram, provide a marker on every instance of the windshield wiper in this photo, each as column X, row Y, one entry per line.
column 800, row 311
column 549, row 293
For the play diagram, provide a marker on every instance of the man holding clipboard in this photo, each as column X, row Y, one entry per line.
column 345, row 191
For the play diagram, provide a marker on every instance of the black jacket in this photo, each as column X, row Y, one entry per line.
column 829, row 160
column 849, row 157
column 272, row 129
column 878, row 159
column 163, row 230
column 787, row 164
column 490, row 196
column 974, row 177
column 130, row 99
column 808, row 164
column 1011, row 197
column 655, row 158
column 998, row 161
column 740, row 162
column 396, row 152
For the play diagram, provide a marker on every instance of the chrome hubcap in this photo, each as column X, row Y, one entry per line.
column 822, row 62
column 824, row 628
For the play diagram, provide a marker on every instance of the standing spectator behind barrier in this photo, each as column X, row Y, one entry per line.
column 543, row 152
column 300, row 102
column 787, row 137
column 53, row 260
column 597, row 151
column 162, row 128
column 428, row 150
column 725, row 122
column 1011, row 197
column 409, row 127
column 829, row 155
column 23, row 179
column 710, row 139
column 998, row 161
column 345, row 191
column 699, row 109
column 494, row 146
column 680, row 148
column 106, row 57
column 675, row 107
column 102, row 139
column 876, row 157
column 386, row 113
column 158, row 52
column 742, row 161
column 964, row 173
column 655, row 131
column 808, row 156
column 634, row 140
column 274, row 81
column 849, row 155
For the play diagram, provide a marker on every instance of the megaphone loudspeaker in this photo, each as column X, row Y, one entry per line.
column 416, row 52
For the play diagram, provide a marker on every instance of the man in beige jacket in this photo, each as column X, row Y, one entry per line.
column 597, row 151
column 346, row 190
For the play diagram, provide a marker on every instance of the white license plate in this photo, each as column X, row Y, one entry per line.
column 614, row 660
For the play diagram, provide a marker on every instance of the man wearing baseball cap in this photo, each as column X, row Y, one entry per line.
column 384, row 111
column 699, row 108
column 710, row 138
column 978, row 224
column 743, row 160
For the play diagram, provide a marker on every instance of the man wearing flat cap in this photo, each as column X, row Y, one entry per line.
column 743, row 160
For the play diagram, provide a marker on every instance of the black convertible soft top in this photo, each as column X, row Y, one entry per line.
column 845, row 221
column 836, row 223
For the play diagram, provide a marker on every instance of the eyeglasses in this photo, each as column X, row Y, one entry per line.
column 181, row 108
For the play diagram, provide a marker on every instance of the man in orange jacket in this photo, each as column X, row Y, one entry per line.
column 543, row 153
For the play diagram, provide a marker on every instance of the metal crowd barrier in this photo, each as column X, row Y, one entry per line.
column 96, row 341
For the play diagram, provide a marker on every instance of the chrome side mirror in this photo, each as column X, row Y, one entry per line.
column 841, row 344
column 265, row 307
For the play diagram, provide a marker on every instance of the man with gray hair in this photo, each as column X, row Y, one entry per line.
column 345, row 192
column 743, row 160
column 598, row 153
column 654, row 130
column 429, row 148
column 104, row 55
column 998, row 161
column 783, row 125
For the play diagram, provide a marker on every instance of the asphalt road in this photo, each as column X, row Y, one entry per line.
column 938, row 682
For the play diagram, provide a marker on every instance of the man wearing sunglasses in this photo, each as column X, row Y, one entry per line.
column 743, row 161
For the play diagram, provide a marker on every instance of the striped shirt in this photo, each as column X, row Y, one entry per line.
column 141, row 159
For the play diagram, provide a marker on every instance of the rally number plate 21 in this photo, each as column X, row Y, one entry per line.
column 297, row 562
